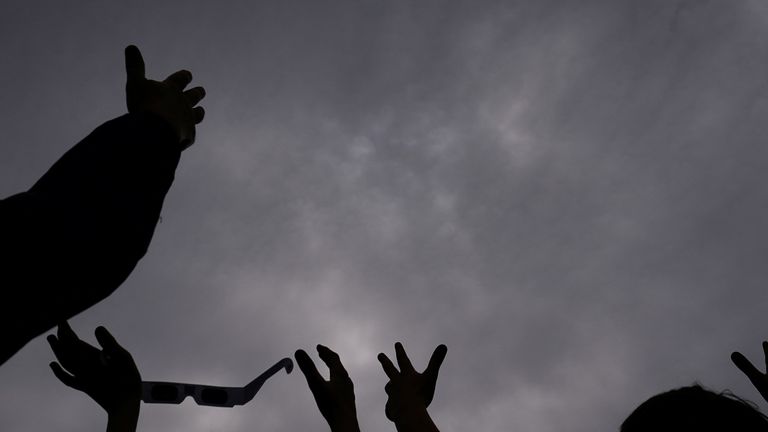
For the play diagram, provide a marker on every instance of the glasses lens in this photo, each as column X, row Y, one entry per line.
column 165, row 393
column 214, row 396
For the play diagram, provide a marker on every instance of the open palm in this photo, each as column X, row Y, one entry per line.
column 108, row 375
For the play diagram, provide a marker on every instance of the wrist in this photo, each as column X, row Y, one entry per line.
column 422, row 425
column 414, row 419
column 170, row 129
column 347, row 424
column 124, row 418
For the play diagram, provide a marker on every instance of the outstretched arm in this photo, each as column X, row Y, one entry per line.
column 77, row 234
column 410, row 392
column 108, row 375
column 336, row 397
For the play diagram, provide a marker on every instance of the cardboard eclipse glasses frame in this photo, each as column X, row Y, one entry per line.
column 174, row 393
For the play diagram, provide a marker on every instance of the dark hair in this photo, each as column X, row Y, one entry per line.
column 695, row 408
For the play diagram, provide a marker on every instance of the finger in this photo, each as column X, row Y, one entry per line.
column 64, row 377
column 199, row 114
column 107, row 341
column 431, row 372
column 387, row 365
column 333, row 361
column 745, row 366
column 179, row 79
column 765, row 353
column 402, row 359
column 308, row 368
column 66, row 334
column 436, row 361
column 55, row 347
column 134, row 64
column 194, row 95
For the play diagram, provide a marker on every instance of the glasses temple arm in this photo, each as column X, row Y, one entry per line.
column 253, row 387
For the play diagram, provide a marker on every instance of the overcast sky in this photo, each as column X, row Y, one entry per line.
column 570, row 195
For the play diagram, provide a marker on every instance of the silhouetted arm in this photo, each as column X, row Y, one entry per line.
column 108, row 375
column 409, row 392
column 336, row 397
column 77, row 234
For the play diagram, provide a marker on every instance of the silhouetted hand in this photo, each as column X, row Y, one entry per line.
column 411, row 392
column 166, row 99
column 335, row 398
column 108, row 375
column 758, row 379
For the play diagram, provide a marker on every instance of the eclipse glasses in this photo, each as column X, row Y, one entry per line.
column 175, row 393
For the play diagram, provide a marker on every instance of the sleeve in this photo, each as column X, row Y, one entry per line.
column 77, row 234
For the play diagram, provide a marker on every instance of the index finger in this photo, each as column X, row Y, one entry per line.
column 134, row 63
column 179, row 79
column 309, row 369
column 66, row 334
column 402, row 359
column 107, row 341
column 333, row 362
column 387, row 365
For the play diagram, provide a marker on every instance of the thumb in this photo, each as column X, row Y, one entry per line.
column 134, row 64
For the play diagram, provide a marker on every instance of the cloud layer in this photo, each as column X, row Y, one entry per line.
column 569, row 196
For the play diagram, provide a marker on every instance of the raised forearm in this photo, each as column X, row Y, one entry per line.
column 77, row 234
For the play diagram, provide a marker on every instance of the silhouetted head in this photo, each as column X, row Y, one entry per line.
column 695, row 409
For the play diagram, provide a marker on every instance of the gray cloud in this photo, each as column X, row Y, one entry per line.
column 568, row 196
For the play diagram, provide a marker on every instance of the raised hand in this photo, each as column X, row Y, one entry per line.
column 411, row 392
column 758, row 379
column 108, row 375
column 166, row 99
column 336, row 397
